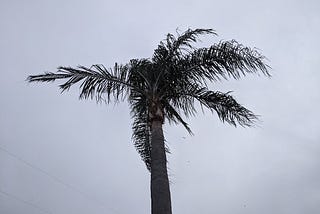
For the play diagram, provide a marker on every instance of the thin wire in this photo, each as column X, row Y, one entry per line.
column 58, row 180
column 25, row 202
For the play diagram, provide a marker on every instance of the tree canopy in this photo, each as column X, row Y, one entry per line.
column 173, row 80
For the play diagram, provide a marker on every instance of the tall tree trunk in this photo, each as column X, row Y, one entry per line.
column 160, row 191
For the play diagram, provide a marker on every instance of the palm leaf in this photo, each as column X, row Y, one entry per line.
column 140, row 127
column 185, row 40
column 226, row 107
column 173, row 116
column 141, row 139
column 223, row 60
column 96, row 81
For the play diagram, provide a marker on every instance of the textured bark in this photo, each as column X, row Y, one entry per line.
column 160, row 191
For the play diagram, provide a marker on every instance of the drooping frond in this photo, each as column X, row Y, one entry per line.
column 96, row 81
column 183, row 104
column 224, row 60
column 140, row 127
column 141, row 138
column 226, row 107
column 174, row 116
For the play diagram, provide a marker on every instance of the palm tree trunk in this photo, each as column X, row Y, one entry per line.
column 160, row 191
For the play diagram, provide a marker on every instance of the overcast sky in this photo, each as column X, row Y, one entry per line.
column 60, row 155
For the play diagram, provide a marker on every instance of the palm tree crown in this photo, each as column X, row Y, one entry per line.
column 166, row 86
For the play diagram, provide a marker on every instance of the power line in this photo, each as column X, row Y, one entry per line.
column 25, row 202
column 58, row 180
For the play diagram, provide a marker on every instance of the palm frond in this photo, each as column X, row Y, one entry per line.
column 187, row 38
column 141, row 139
column 173, row 47
column 226, row 107
column 140, row 127
column 141, row 74
column 224, row 60
column 97, row 81
column 173, row 116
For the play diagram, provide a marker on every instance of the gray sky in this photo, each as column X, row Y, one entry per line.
column 60, row 155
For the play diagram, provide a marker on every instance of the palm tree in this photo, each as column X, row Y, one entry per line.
column 164, row 88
